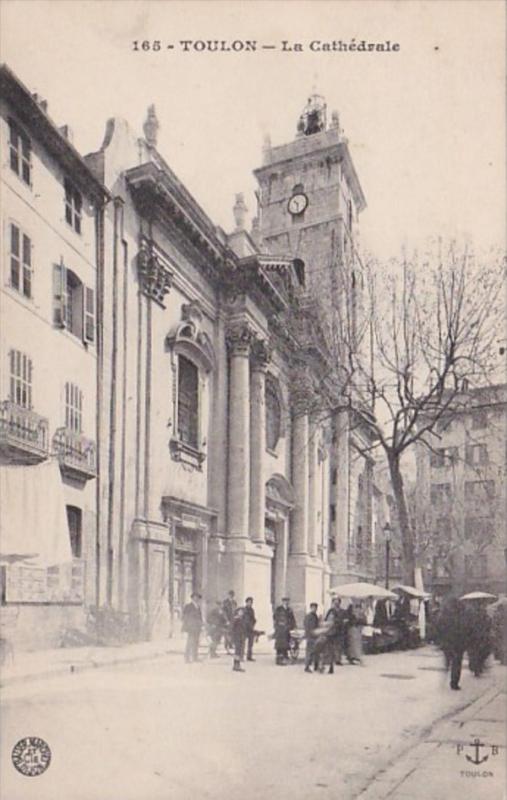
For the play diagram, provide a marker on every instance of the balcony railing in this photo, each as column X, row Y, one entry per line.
column 76, row 454
column 23, row 434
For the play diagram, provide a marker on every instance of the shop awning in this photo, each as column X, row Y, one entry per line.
column 33, row 517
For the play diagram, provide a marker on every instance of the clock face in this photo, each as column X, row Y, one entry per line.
column 297, row 203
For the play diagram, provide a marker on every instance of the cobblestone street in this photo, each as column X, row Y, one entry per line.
column 163, row 729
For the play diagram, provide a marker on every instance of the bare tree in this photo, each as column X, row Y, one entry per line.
column 403, row 341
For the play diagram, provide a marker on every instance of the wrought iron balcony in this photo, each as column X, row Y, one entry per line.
column 23, row 434
column 75, row 453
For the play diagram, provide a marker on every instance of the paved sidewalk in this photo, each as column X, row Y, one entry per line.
column 462, row 756
column 28, row 666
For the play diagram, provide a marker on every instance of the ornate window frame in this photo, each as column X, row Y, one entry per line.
column 189, row 341
column 273, row 384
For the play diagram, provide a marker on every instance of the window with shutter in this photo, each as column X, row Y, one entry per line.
column 20, row 153
column 73, row 205
column 477, row 454
column 20, row 379
column 73, row 407
column 188, row 402
column 68, row 301
column 59, row 295
column 20, row 261
column 89, row 315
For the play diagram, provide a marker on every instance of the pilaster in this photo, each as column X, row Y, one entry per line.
column 313, row 488
column 239, row 338
column 260, row 356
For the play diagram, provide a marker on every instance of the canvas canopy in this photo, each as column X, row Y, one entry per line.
column 27, row 534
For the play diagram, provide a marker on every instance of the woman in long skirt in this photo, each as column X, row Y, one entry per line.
column 355, row 622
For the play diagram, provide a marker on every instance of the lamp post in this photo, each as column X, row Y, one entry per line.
column 387, row 535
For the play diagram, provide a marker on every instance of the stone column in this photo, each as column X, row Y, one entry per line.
column 260, row 356
column 301, row 401
column 239, row 338
column 313, row 488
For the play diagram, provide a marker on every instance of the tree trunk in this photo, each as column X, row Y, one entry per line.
column 404, row 523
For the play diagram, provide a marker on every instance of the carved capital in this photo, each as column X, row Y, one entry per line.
column 260, row 353
column 154, row 277
column 302, row 391
column 239, row 338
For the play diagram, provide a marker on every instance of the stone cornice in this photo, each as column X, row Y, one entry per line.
column 157, row 188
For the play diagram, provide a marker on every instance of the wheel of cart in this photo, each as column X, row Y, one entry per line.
column 296, row 637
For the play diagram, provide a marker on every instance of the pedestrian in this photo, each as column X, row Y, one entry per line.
column 451, row 632
column 192, row 624
column 217, row 623
column 354, row 624
column 336, row 636
column 499, row 630
column 229, row 605
column 311, row 622
column 284, row 621
column 401, row 618
column 249, row 622
column 479, row 637
column 238, row 639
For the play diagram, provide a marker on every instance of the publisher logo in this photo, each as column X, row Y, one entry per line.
column 31, row 756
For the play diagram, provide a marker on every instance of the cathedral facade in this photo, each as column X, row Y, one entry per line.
column 224, row 455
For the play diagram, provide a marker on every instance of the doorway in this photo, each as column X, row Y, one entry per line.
column 185, row 570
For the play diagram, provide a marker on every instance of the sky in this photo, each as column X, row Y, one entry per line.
column 426, row 124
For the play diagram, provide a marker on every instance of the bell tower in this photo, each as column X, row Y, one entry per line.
column 309, row 202
column 310, row 198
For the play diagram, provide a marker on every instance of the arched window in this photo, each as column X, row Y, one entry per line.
column 273, row 416
column 188, row 402
column 192, row 359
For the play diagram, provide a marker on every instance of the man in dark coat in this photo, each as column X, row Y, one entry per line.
column 238, row 639
column 452, row 638
column 337, row 616
column 249, row 623
column 284, row 621
column 192, row 624
column 311, row 622
column 478, row 636
column 217, row 622
column 229, row 605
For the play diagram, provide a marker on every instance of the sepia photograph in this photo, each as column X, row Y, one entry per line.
column 253, row 400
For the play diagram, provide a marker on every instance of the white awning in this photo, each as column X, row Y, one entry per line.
column 33, row 517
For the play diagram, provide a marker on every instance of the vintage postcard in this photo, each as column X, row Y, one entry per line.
column 253, row 400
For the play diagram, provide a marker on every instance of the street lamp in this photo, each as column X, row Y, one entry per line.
column 387, row 535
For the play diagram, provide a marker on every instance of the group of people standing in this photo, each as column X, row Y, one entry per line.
column 328, row 639
column 339, row 635
column 226, row 620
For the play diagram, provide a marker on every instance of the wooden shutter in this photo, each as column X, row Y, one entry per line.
column 59, row 295
column 89, row 315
